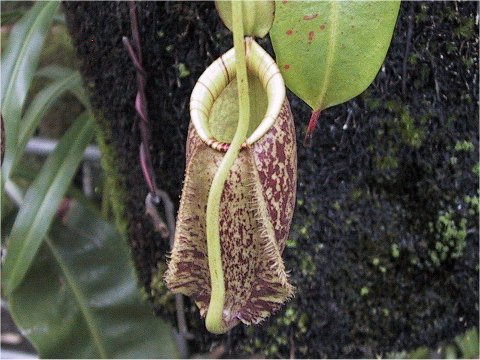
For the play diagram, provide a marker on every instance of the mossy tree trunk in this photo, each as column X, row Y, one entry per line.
column 383, row 250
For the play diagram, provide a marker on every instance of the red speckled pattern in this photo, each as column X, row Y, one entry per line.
column 256, row 211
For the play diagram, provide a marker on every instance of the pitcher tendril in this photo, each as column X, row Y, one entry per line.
column 217, row 298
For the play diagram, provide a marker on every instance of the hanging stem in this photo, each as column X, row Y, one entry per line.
column 217, row 298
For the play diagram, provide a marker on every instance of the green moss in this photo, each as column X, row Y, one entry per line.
column 395, row 251
column 307, row 265
column 272, row 350
column 419, row 353
column 356, row 194
column 388, row 162
column 464, row 145
column 450, row 235
column 336, row 206
column 303, row 323
column 364, row 291
column 413, row 59
column 466, row 29
column 473, row 202
column 371, row 102
column 289, row 316
column 410, row 133
column 162, row 298
column 303, row 231
column 183, row 71
column 291, row 243
column 113, row 184
column 468, row 344
column 464, row 346
column 453, row 160
column 393, row 106
column 476, row 169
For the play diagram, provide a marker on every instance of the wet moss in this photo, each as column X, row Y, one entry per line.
column 450, row 236
column 464, row 145
column 113, row 185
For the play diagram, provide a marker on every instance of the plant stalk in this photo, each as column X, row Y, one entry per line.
column 214, row 317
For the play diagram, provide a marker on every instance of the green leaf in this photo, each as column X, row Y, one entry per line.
column 257, row 16
column 56, row 72
column 80, row 298
column 10, row 17
column 29, row 174
column 330, row 51
column 468, row 343
column 42, row 200
column 18, row 67
column 40, row 105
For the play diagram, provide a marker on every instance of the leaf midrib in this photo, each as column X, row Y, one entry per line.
column 330, row 53
column 82, row 303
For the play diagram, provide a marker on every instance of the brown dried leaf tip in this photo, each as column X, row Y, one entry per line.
column 256, row 207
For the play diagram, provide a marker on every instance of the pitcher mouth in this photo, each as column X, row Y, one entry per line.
column 219, row 74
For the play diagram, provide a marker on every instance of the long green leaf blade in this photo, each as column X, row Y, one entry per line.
column 40, row 105
column 42, row 200
column 84, row 269
column 56, row 72
column 330, row 51
column 18, row 67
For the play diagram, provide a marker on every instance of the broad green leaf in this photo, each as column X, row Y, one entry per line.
column 18, row 67
column 80, row 298
column 330, row 51
column 40, row 105
column 42, row 200
column 257, row 16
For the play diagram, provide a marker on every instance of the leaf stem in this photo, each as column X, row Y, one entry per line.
column 214, row 317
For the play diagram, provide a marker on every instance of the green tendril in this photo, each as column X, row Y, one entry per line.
column 214, row 317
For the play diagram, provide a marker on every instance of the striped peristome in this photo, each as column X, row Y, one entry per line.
column 257, row 201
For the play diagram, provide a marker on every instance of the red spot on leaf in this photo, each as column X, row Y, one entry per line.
column 310, row 17
column 286, row 66
column 284, row 1
column 289, row 32
column 322, row 27
column 311, row 35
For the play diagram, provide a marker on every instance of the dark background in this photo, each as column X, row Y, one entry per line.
column 386, row 192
